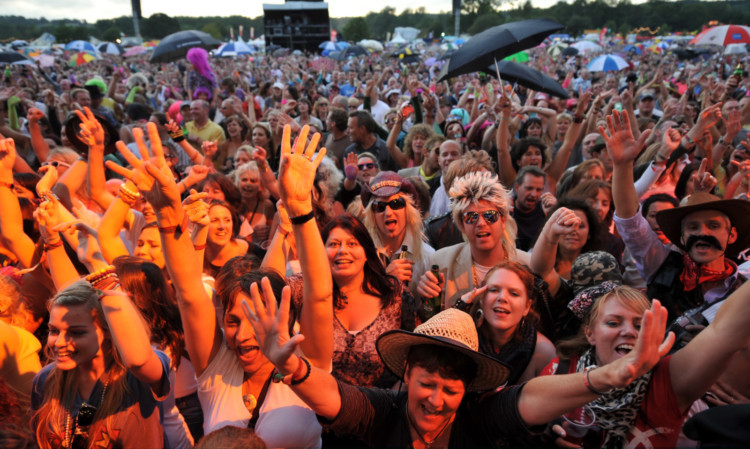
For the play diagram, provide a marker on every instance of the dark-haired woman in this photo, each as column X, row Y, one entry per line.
column 150, row 292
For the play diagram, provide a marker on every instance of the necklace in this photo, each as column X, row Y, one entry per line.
column 68, row 421
column 427, row 444
column 474, row 275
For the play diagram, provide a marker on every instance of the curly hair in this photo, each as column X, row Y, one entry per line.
column 419, row 129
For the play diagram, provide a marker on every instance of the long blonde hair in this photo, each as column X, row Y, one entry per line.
column 59, row 388
column 414, row 225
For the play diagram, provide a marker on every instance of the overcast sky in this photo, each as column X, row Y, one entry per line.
column 93, row 10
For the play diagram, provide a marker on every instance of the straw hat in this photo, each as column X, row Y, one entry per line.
column 738, row 211
column 452, row 329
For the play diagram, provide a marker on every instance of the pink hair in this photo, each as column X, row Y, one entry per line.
column 199, row 58
column 174, row 112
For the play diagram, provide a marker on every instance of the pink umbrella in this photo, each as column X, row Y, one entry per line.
column 723, row 35
column 45, row 60
column 137, row 50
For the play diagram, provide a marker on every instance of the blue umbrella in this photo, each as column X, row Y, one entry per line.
column 607, row 63
column 633, row 48
column 234, row 49
column 328, row 47
column 81, row 46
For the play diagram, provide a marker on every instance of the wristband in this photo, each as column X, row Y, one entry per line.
column 587, row 383
column 578, row 119
column 9, row 185
column 57, row 244
column 199, row 247
column 296, row 379
column 178, row 136
column 302, row 218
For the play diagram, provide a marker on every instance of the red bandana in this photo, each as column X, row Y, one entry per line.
column 694, row 275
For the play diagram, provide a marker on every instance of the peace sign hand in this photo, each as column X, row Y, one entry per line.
column 91, row 130
column 151, row 176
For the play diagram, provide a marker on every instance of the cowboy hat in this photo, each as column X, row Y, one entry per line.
column 738, row 211
column 452, row 329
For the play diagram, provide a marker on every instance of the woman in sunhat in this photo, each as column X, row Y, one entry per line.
column 445, row 375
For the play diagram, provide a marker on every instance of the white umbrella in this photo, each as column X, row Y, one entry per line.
column 735, row 49
column 587, row 47
column 231, row 49
column 110, row 48
column 723, row 35
column 371, row 44
column 607, row 63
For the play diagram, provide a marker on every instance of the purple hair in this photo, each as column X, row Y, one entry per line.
column 199, row 58
column 201, row 90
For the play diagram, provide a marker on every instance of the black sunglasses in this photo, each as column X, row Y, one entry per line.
column 366, row 166
column 84, row 419
column 490, row 216
column 394, row 204
column 55, row 164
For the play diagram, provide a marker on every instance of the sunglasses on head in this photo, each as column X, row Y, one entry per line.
column 490, row 216
column 366, row 166
column 394, row 204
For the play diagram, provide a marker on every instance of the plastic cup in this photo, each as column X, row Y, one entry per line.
column 577, row 423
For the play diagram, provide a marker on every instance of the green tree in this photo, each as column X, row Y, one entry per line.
column 479, row 6
column 159, row 25
column 111, row 34
column 214, row 29
column 485, row 21
column 356, row 29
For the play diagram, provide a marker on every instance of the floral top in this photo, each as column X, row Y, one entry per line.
column 355, row 358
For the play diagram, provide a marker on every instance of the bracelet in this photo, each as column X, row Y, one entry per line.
column 199, row 247
column 587, row 383
column 690, row 141
column 9, row 185
column 577, row 119
column 103, row 276
column 57, row 244
column 302, row 218
column 128, row 195
column 283, row 232
column 296, row 380
column 177, row 230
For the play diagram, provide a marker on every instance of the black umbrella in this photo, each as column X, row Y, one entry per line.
column 496, row 43
column 354, row 50
column 569, row 51
column 10, row 57
column 528, row 77
column 447, row 55
column 176, row 45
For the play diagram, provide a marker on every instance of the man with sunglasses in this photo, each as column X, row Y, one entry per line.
column 480, row 206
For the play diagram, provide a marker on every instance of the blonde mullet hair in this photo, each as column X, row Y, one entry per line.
column 484, row 186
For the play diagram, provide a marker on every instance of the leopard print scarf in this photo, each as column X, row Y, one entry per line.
column 616, row 411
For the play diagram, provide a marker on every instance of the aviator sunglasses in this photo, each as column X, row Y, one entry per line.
column 490, row 216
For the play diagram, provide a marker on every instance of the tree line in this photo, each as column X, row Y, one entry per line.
column 621, row 16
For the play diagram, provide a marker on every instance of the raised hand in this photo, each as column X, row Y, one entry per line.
column 622, row 146
column 196, row 208
column 350, row 166
column 709, row 117
column 91, row 132
column 47, row 217
column 734, row 125
column 704, row 182
column 271, row 326
column 49, row 179
column 562, row 222
column 297, row 170
column 86, row 216
column 7, row 154
column 34, row 115
column 549, row 201
column 196, row 174
column 670, row 141
column 209, row 148
column 468, row 297
column 151, row 176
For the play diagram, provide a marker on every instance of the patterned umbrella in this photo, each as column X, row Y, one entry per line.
column 723, row 35
column 110, row 48
column 81, row 46
column 607, row 63
column 133, row 51
column 80, row 58
column 231, row 49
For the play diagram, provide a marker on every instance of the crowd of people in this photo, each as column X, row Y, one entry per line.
column 295, row 252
